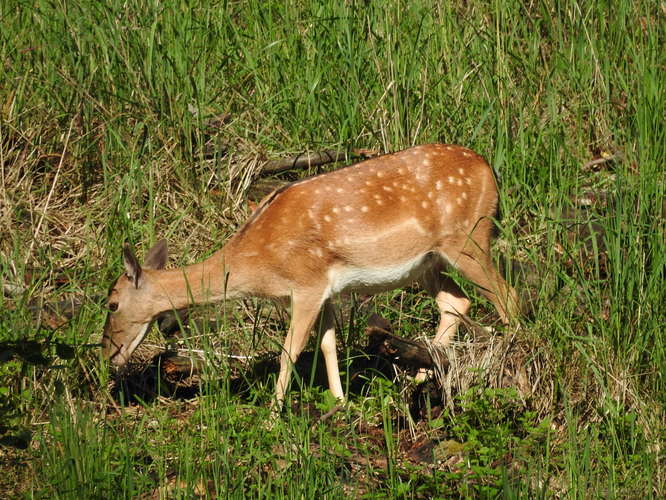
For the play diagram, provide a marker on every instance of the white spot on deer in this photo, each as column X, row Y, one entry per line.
column 317, row 191
column 387, row 188
column 368, row 183
column 431, row 195
column 438, row 185
column 328, row 188
column 425, row 204
column 464, row 195
column 336, row 210
column 348, row 208
column 339, row 190
column 459, row 200
column 448, row 208
column 426, row 162
column 403, row 198
column 461, row 171
column 451, row 179
column 316, row 251
column 467, row 153
column 401, row 171
column 379, row 201
column 468, row 181
column 364, row 208
column 327, row 218
column 380, row 174
column 460, row 182
column 450, row 148
column 311, row 214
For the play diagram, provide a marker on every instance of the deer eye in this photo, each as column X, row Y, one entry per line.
column 113, row 306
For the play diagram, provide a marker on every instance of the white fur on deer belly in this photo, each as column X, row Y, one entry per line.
column 373, row 280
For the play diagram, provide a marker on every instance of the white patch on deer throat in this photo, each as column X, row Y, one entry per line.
column 124, row 353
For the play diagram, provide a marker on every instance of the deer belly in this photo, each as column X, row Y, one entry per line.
column 378, row 279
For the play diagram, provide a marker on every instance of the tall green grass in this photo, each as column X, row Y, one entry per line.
column 128, row 88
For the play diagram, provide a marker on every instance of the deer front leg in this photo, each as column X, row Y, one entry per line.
column 303, row 313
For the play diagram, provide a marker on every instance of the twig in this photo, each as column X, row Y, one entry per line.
column 53, row 185
column 328, row 414
column 603, row 159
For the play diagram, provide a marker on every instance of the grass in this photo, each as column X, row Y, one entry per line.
column 137, row 120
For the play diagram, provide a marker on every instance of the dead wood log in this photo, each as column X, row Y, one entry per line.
column 306, row 160
column 403, row 352
column 303, row 161
column 176, row 368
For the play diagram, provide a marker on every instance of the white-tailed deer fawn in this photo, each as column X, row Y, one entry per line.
column 374, row 226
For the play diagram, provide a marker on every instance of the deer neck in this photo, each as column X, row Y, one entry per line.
column 211, row 280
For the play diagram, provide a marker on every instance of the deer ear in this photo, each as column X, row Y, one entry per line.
column 157, row 256
column 132, row 267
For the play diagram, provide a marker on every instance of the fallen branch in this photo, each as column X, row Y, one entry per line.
column 303, row 161
column 401, row 351
column 306, row 160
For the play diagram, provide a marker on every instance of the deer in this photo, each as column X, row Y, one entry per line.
column 378, row 225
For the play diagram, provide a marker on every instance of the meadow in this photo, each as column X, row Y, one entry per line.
column 136, row 120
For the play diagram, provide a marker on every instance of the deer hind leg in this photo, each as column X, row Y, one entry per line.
column 450, row 299
column 452, row 304
column 473, row 261
column 303, row 314
column 326, row 329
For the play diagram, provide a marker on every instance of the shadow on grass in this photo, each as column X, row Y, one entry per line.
column 169, row 375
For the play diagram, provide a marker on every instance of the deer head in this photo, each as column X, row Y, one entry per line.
column 133, row 303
